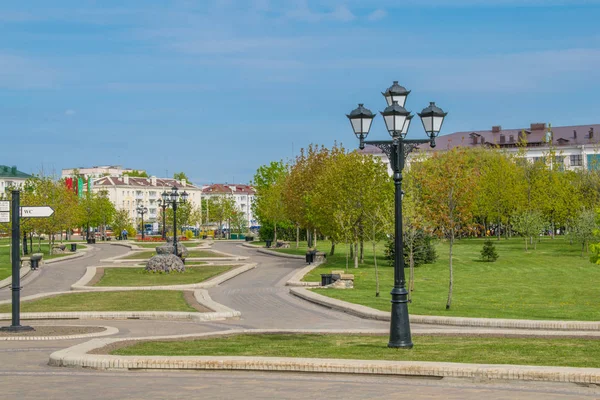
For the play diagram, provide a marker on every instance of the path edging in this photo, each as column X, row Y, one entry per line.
column 77, row 356
column 371, row 313
column 109, row 330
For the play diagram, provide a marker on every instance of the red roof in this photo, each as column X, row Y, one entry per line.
column 228, row 189
column 141, row 182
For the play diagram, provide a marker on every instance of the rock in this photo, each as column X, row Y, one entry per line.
column 165, row 263
column 182, row 251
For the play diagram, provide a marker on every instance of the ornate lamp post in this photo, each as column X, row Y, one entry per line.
column 173, row 200
column 163, row 204
column 141, row 211
column 397, row 120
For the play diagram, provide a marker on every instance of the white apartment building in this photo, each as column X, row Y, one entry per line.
column 573, row 147
column 11, row 177
column 127, row 193
column 243, row 196
column 96, row 172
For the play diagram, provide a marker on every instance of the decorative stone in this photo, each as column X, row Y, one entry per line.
column 182, row 251
column 165, row 263
column 320, row 257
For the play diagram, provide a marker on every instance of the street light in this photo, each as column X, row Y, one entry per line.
column 173, row 199
column 141, row 211
column 163, row 204
column 397, row 120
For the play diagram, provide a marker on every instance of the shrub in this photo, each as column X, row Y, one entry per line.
column 423, row 252
column 488, row 253
column 189, row 234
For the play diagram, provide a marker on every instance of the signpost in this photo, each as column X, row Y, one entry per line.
column 18, row 212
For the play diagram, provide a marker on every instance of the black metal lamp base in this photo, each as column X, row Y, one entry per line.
column 16, row 329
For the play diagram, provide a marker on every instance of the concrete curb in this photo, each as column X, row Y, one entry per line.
column 277, row 254
column 295, row 280
column 77, row 356
column 370, row 313
column 78, row 254
column 122, row 259
column 23, row 272
column 109, row 331
column 81, row 284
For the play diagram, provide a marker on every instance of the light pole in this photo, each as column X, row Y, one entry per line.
column 163, row 204
column 172, row 199
column 141, row 211
column 397, row 120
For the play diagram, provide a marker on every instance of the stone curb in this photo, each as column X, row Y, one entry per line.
column 109, row 331
column 77, row 356
column 78, row 254
column 81, row 284
column 142, row 260
column 23, row 272
column 295, row 280
column 277, row 254
column 221, row 312
column 371, row 313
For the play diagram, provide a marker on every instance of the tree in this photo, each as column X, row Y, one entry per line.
column 121, row 221
column 529, row 224
column 136, row 174
column 488, row 253
column 179, row 176
column 223, row 209
column 447, row 183
column 269, row 205
column 582, row 228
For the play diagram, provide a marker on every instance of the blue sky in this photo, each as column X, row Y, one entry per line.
column 216, row 88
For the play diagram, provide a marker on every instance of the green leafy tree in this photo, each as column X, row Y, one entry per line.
column 582, row 228
column 136, row 174
column 489, row 253
column 269, row 205
column 529, row 224
column 180, row 176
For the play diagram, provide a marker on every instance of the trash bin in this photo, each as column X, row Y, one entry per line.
column 268, row 242
column 326, row 279
column 93, row 240
column 204, row 236
column 73, row 247
column 35, row 261
column 310, row 257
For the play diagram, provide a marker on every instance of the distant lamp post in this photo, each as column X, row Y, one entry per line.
column 397, row 120
column 173, row 199
column 141, row 211
column 162, row 203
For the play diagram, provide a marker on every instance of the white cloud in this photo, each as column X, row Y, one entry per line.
column 377, row 15
column 70, row 112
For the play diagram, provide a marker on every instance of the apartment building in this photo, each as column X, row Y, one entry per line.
column 243, row 196
column 127, row 193
column 96, row 172
column 11, row 177
column 573, row 147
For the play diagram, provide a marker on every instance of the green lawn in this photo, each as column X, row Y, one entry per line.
column 145, row 254
column 552, row 282
column 150, row 245
column 547, row 352
column 137, row 300
column 5, row 263
column 139, row 277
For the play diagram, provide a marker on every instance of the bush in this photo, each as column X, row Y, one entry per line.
column 423, row 253
column 189, row 234
column 131, row 232
column 488, row 253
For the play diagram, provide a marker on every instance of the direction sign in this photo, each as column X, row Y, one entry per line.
column 4, row 205
column 36, row 212
column 4, row 217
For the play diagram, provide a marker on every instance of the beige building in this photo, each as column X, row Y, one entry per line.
column 127, row 193
column 243, row 195
column 96, row 172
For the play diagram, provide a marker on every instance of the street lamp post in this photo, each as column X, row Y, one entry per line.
column 172, row 199
column 397, row 120
column 163, row 204
column 141, row 211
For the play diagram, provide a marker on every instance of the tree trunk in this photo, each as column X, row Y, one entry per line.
column 347, row 254
column 297, row 236
column 275, row 234
column 582, row 248
column 332, row 251
column 355, row 254
column 351, row 251
column 315, row 237
column 451, row 283
column 376, row 271
column 308, row 241
column 411, row 275
column 362, row 250
column 498, row 230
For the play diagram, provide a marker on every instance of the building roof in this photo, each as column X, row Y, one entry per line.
column 143, row 182
column 219, row 188
column 535, row 136
column 12, row 172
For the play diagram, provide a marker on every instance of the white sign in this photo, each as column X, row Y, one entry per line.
column 4, row 217
column 4, row 205
column 36, row 212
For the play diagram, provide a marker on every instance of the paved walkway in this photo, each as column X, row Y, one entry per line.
column 265, row 302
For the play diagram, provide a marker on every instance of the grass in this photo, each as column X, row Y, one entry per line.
column 519, row 351
column 143, row 255
column 140, row 277
column 137, row 300
column 552, row 282
column 5, row 263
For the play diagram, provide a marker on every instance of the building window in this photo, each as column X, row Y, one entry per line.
column 576, row 160
column 502, row 139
